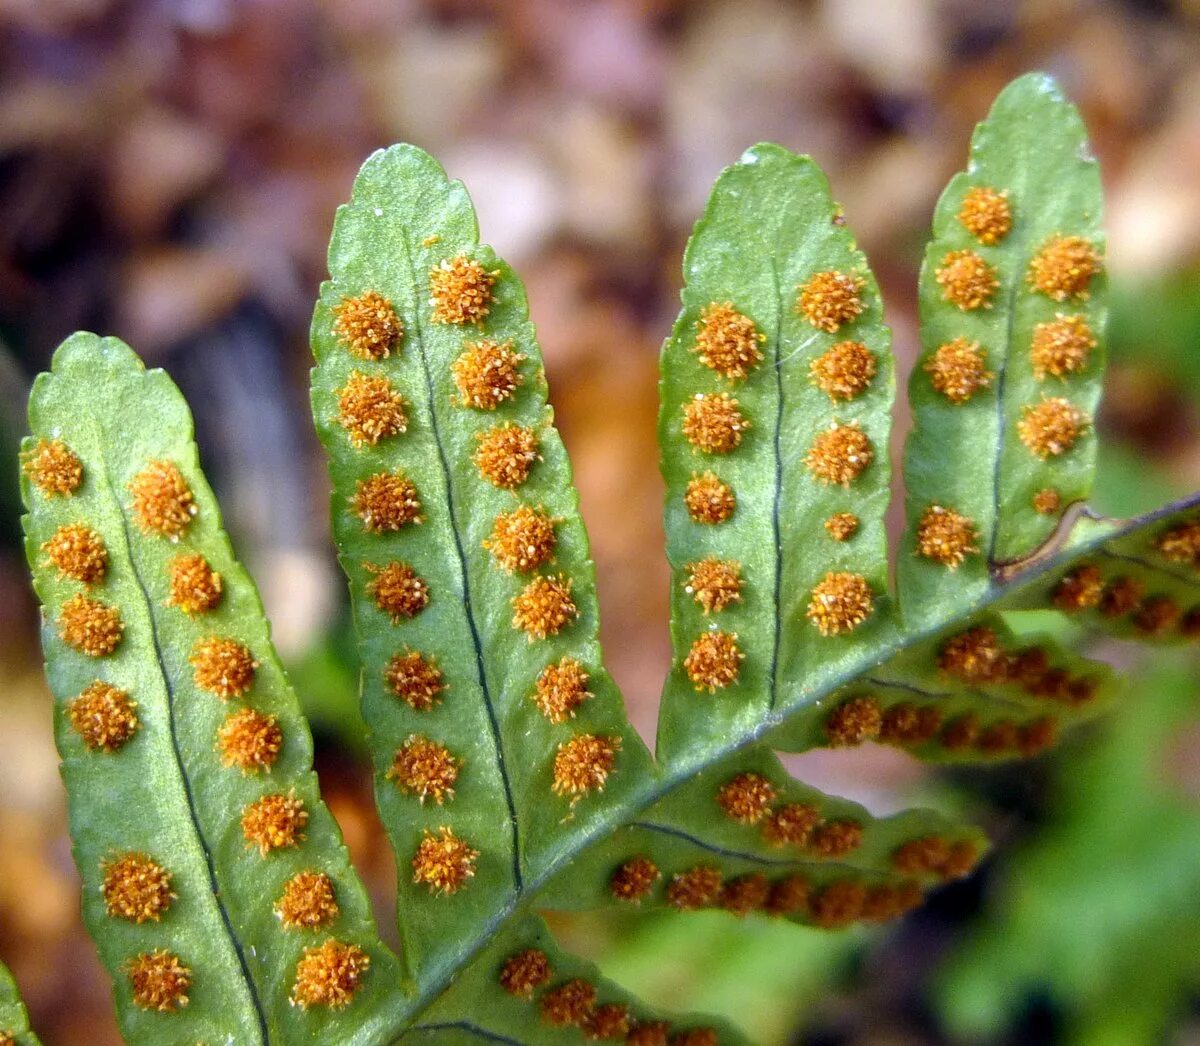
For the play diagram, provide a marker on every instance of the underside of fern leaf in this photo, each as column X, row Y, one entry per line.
column 14, row 1021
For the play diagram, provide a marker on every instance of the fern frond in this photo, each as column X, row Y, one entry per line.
column 14, row 1020
column 212, row 871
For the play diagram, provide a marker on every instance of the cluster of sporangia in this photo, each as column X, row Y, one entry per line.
column 135, row 886
column 486, row 374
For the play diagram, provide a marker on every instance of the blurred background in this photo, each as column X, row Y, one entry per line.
column 168, row 174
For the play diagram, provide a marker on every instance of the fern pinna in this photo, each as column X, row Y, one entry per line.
column 506, row 773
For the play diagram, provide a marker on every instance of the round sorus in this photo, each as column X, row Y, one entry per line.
column 505, row 455
column 695, row 1037
column 329, row 974
column 853, row 722
column 713, row 423
column 714, row 583
column 908, row 724
column 974, row 656
column 159, row 981
column 308, row 902
column 708, row 500
column 714, row 661
column 1158, row 614
column 1050, row 428
column 91, row 627
column 648, row 1033
column 960, row 732
column 838, row 904
column 1181, row 544
column 998, row 738
column 831, row 299
column 1081, row 589
column 193, row 586
column 844, row 370
column 443, row 862
column 839, row 454
column 274, row 822
column 487, row 373
column 986, row 214
column 53, row 468
column 249, row 740
column 1121, row 596
column 367, row 325
column 415, row 679
column 967, row 281
column 135, row 887
column 840, row 602
column 561, row 688
column 790, row 824
column 77, row 552
column 698, row 887
column 745, row 894
column 544, row 607
column 1061, row 346
column 945, row 536
column 887, row 901
column 958, row 370
column 162, row 500
column 1063, row 267
column 789, row 896
column 522, row 540
column 568, row 1004
column 103, row 716
column 386, row 502
column 461, row 291
column 610, row 1021
column 842, row 526
column 1037, row 736
column 583, row 764
column 1047, row 501
column 222, row 666
column 727, row 341
column 397, row 590
column 925, row 856
column 424, row 768
column 370, row 409
column 746, row 797
column 835, row 838
column 634, row 879
column 522, row 974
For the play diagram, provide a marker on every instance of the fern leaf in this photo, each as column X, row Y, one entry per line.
column 776, row 396
column 1012, row 323
column 525, row 990
column 472, row 586
column 214, row 877
column 14, row 1020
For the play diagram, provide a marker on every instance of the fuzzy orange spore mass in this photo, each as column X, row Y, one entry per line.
column 386, row 501
column 1158, row 614
column 714, row 661
column 193, row 586
column 222, row 666
column 1181, row 544
column 505, row 455
column 854, row 721
column 560, row 689
column 960, row 732
column 1047, row 501
column 790, row 824
column 839, row 454
column 329, row 974
column 443, row 862
column 1081, row 589
column 844, row 370
column 835, row 838
column 648, row 1033
column 634, row 879
column 714, row 583
column 886, row 901
column 522, row 540
column 103, row 716
column 698, row 887
column 1064, row 267
column 708, row 500
column 415, row 679
column 957, row 369
column 163, row 502
column 135, row 887
column 746, row 797
column 308, row 901
column 487, row 373
column 249, row 740
column 77, row 552
column 425, row 768
column 610, row 1021
column 967, row 281
column 461, row 291
column 159, row 981
column 274, row 822
column 522, row 974
column 1052, row 427
column 397, row 590
column 789, row 895
column 544, row 607
column 583, row 764
column 986, row 214
column 838, row 904
column 713, row 422
column 1121, row 596
column 831, row 299
column 745, row 894
column 840, row 602
column 53, row 468
column 945, row 536
column 367, row 325
column 91, row 627
column 727, row 341
column 974, row 656
column 906, row 724
column 370, row 409
column 1061, row 346
column 842, row 526
column 568, row 1004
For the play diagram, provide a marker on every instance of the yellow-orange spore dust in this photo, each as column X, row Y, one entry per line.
column 329, row 974
column 840, row 602
column 386, row 501
column 1061, row 346
column 415, row 679
column 308, row 902
column 461, row 291
column 193, row 586
column 842, row 526
column 91, row 627
column 159, row 981
column 909, row 724
column 397, row 590
column 424, row 768
column 53, row 468
column 698, row 887
column 853, row 722
column 1064, row 267
column 727, row 341
column 986, row 214
column 714, row 661
column 568, row 1004
column 522, row 974
column 1051, row 427
column 222, row 666
column 1181, row 543
column 746, row 797
column 249, row 740
column 367, row 325
column 843, row 371
column 443, row 862
column 745, row 894
column 634, row 879
column 560, row 689
column 1080, row 589
column 708, row 500
column 522, row 540
column 835, row 838
column 1047, row 501
column 487, row 373
column 790, row 824
column 163, row 502
column 974, row 656
column 789, row 895
column 967, row 281
column 958, row 369
column 714, row 583
column 544, row 607
column 838, row 904
column 1121, row 596
column 831, row 299
column 945, row 536
column 648, row 1033
column 505, row 455
column 103, row 716
column 713, row 422
column 135, row 887
column 609, row 1021
column 583, row 764
column 77, row 552
column 274, row 822
column 839, row 454
column 370, row 409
